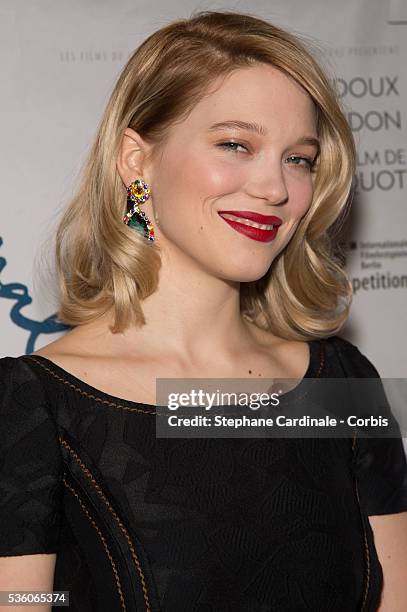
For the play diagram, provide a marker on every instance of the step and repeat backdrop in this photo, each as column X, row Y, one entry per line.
column 59, row 63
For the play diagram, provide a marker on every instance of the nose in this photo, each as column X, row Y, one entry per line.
column 269, row 184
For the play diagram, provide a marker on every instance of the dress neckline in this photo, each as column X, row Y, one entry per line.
column 314, row 369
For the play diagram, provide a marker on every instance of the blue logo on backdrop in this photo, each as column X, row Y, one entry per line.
column 19, row 295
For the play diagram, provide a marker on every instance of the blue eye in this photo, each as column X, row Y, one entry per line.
column 229, row 146
column 309, row 162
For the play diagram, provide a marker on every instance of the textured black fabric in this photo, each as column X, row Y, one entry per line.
column 142, row 523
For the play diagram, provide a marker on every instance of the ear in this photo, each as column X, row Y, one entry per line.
column 132, row 157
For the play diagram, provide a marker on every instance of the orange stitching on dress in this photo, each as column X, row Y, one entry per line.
column 122, row 527
column 354, row 441
column 90, row 395
column 132, row 409
column 367, row 553
column 321, row 366
column 321, row 360
column 103, row 542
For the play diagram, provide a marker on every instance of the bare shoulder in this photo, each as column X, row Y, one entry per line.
column 289, row 358
column 69, row 344
column 71, row 352
column 294, row 356
column 86, row 356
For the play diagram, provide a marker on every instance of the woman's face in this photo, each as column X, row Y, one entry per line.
column 211, row 162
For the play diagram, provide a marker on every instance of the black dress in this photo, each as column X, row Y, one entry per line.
column 141, row 523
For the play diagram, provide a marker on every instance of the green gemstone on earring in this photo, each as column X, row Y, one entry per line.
column 137, row 222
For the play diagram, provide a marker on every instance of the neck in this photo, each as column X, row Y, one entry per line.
column 191, row 314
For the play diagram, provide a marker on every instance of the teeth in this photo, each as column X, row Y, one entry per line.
column 247, row 222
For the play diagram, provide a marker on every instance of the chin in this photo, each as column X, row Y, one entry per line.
column 243, row 273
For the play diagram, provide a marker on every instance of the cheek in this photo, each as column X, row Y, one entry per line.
column 209, row 178
column 301, row 196
column 187, row 187
column 189, row 184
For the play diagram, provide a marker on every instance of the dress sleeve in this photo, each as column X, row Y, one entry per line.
column 31, row 467
column 380, row 463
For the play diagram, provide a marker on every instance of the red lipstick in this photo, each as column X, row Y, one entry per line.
column 255, row 233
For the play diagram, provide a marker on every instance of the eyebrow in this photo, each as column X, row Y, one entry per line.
column 258, row 129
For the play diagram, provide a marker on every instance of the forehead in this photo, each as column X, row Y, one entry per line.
column 259, row 93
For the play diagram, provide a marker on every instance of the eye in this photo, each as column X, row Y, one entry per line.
column 309, row 163
column 231, row 146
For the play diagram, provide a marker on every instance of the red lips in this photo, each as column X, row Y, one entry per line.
column 255, row 233
column 252, row 216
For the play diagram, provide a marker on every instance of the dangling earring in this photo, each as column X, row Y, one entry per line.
column 137, row 193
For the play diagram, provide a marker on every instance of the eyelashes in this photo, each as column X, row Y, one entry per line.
column 226, row 145
column 309, row 162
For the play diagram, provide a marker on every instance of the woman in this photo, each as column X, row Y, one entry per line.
column 199, row 245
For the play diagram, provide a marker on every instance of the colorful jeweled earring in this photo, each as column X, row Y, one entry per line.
column 137, row 193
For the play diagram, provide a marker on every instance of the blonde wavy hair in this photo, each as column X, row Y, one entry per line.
column 102, row 265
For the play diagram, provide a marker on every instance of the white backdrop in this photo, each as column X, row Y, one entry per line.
column 59, row 63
